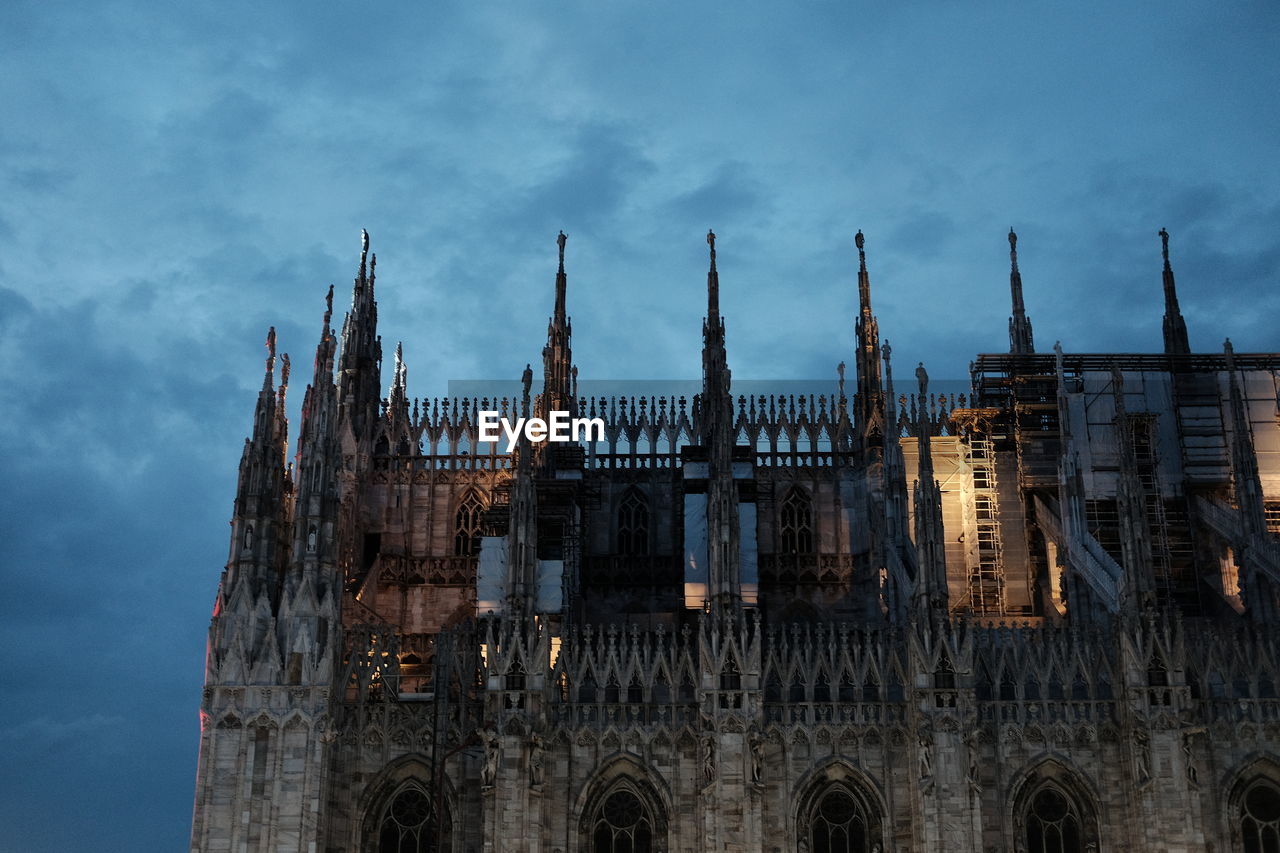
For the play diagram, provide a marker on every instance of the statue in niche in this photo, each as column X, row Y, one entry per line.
column 974, row 775
column 1142, row 754
column 756, row 744
column 537, row 756
column 1188, row 745
column 489, row 772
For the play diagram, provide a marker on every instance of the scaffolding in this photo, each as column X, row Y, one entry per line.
column 986, row 568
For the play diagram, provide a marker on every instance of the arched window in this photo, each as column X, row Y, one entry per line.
column 466, row 526
column 408, row 824
column 622, row 823
column 1260, row 818
column 1053, row 823
column 839, row 823
column 633, row 524
column 796, row 530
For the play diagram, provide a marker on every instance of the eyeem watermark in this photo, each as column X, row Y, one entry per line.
column 558, row 427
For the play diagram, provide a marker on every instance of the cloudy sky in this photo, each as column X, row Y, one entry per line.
column 177, row 177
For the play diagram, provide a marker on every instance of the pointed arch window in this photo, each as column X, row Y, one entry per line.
column 633, row 524
column 1053, row 823
column 838, row 824
column 796, row 529
column 622, row 823
column 466, row 526
column 408, row 824
column 1260, row 818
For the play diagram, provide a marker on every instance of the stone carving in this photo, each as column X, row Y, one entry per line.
column 537, row 755
column 489, row 771
column 756, row 746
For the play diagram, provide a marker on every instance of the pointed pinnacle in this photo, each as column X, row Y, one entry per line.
column 364, row 253
column 271, row 357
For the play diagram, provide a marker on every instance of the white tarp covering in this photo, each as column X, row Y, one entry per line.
column 695, row 551
column 749, row 579
column 550, row 597
column 491, row 575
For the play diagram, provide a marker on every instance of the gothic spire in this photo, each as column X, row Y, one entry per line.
column 561, row 283
column 1244, row 459
column 886, row 352
column 1258, row 593
column 269, row 378
column 360, row 368
column 931, row 593
column 398, row 399
column 261, row 490
column 717, row 407
column 327, row 348
column 557, row 355
column 869, row 401
column 317, row 463
column 1175, row 328
column 718, row 435
column 1020, row 338
column 1131, row 504
column 713, row 279
column 522, row 528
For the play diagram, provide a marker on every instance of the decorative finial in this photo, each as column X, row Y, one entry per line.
column 271, row 358
column 923, row 376
column 364, row 240
column 284, row 370
column 1164, row 244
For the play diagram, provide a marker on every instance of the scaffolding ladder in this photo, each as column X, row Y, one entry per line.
column 986, row 569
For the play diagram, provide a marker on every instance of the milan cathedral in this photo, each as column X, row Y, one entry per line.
column 1040, row 616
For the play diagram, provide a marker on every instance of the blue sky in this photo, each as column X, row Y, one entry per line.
column 176, row 177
